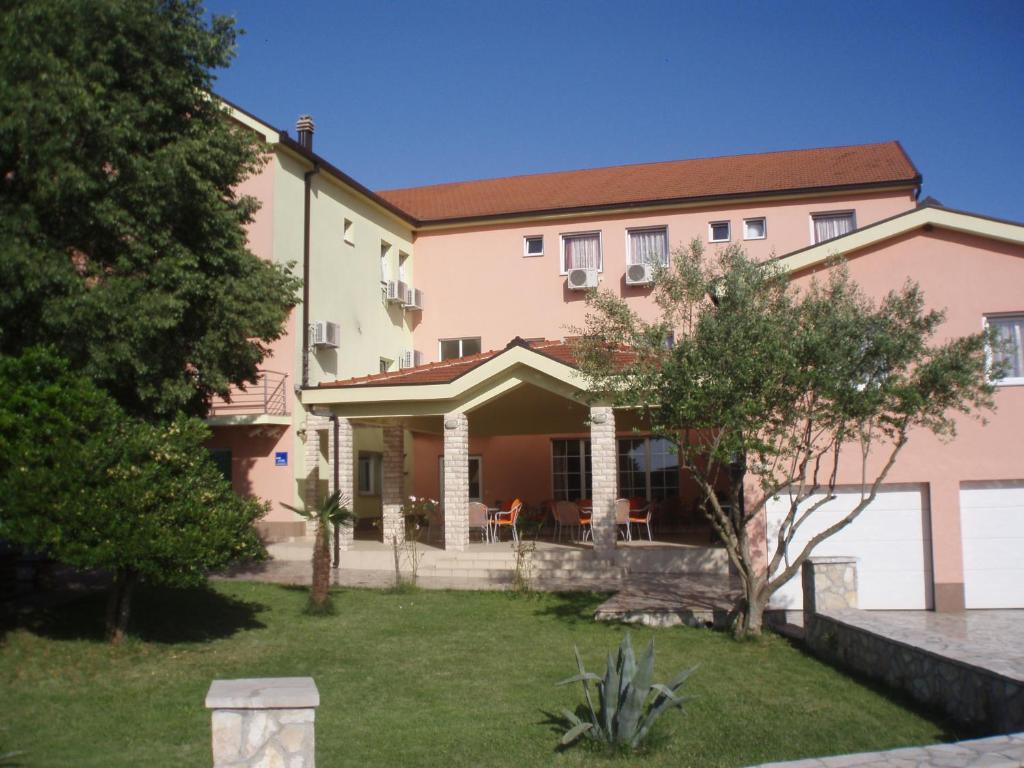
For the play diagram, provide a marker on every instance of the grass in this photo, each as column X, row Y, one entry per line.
column 417, row 679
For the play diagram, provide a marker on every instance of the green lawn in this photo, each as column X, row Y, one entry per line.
column 429, row 678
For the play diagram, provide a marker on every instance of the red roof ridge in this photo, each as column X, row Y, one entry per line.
column 644, row 163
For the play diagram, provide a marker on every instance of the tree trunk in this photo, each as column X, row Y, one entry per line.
column 320, row 591
column 119, row 604
column 751, row 615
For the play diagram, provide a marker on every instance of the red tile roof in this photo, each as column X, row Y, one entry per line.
column 448, row 371
column 865, row 165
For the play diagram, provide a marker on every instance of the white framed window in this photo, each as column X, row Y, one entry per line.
column 826, row 226
column 385, row 364
column 582, row 250
column 451, row 349
column 385, row 261
column 1009, row 330
column 755, row 229
column 368, row 474
column 476, row 477
column 403, row 259
column 348, row 232
column 647, row 246
column 648, row 468
column 533, row 245
column 719, row 231
column 571, row 476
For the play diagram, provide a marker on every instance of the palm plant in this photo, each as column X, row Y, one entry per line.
column 334, row 510
column 623, row 717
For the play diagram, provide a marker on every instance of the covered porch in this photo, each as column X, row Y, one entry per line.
column 512, row 401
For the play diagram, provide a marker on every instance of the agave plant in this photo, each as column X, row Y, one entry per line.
column 623, row 716
column 334, row 510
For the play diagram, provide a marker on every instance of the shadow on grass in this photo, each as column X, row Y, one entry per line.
column 572, row 607
column 159, row 615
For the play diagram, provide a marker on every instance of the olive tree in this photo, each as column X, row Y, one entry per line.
column 769, row 390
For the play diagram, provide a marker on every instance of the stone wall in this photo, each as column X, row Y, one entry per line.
column 935, row 674
column 393, row 485
column 605, row 475
column 263, row 722
column 456, row 481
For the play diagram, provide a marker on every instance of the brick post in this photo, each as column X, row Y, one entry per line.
column 262, row 722
column 605, row 477
column 393, row 484
column 315, row 427
column 456, row 481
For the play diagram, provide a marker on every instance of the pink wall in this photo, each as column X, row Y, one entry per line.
column 969, row 277
column 252, row 465
column 478, row 283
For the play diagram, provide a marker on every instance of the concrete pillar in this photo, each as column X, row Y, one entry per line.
column 829, row 583
column 605, row 477
column 343, row 460
column 456, row 481
column 263, row 722
column 393, row 484
column 947, row 544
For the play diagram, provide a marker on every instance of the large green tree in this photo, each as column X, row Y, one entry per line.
column 122, row 239
column 780, row 389
column 96, row 488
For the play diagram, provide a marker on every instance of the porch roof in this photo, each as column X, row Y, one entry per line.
column 462, row 385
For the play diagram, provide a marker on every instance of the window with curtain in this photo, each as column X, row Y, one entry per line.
column 648, row 467
column 831, row 225
column 648, row 246
column 1010, row 331
column 581, row 251
column 570, row 470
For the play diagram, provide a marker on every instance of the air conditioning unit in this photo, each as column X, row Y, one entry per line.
column 582, row 279
column 413, row 299
column 396, row 292
column 410, row 358
column 326, row 334
column 639, row 274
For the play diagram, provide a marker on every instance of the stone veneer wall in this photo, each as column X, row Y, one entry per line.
column 263, row 722
column 456, row 481
column 605, row 476
column 835, row 630
column 393, row 485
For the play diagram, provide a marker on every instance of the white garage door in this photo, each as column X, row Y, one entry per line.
column 992, row 530
column 891, row 540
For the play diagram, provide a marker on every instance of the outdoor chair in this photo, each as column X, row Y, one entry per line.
column 508, row 519
column 567, row 515
column 479, row 520
column 622, row 519
column 639, row 514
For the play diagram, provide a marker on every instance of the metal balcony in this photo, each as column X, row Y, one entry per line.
column 268, row 395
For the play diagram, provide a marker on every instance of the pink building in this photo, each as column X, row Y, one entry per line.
column 448, row 376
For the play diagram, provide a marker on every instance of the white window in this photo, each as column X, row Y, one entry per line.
column 571, row 478
column 349, row 235
column 755, row 229
column 451, row 349
column 533, row 245
column 476, row 477
column 648, row 246
column 385, row 261
column 719, row 232
column 368, row 474
column 402, row 259
column 385, row 364
column 581, row 251
column 1009, row 330
column 830, row 225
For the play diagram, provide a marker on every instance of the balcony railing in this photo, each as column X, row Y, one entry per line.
column 267, row 395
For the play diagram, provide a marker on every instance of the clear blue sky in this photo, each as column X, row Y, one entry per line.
column 421, row 92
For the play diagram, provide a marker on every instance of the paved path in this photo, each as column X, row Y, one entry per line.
column 994, row 752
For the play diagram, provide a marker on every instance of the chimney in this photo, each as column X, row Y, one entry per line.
column 304, row 128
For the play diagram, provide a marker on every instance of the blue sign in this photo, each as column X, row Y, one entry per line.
column 281, row 458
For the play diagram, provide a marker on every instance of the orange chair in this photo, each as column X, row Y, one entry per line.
column 509, row 519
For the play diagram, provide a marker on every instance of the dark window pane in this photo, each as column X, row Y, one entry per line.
column 222, row 458
column 470, row 347
column 449, row 349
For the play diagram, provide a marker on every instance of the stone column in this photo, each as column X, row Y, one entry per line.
column 344, row 461
column 316, row 426
column 393, row 484
column 829, row 583
column 605, row 478
column 263, row 722
column 456, row 481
